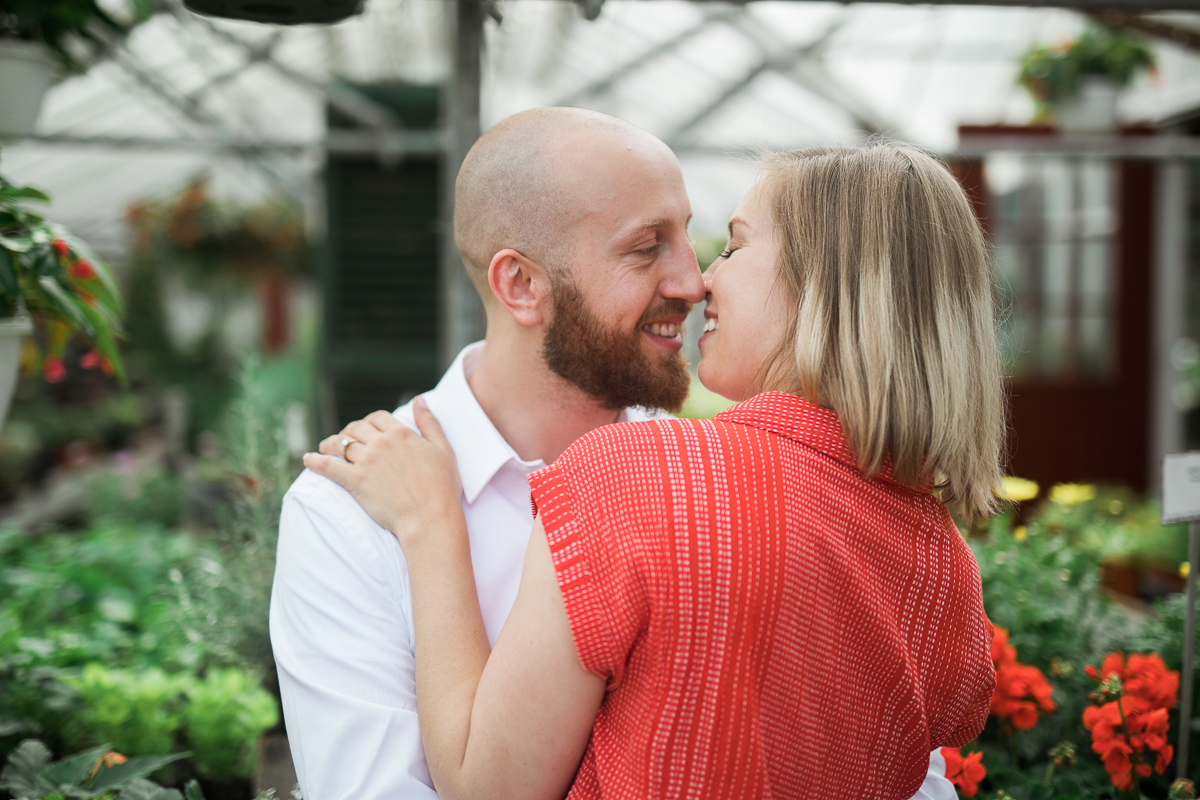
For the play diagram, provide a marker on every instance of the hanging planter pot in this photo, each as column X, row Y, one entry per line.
column 12, row 331
column 280, row 12
column 1093, row 109
column 27, row 71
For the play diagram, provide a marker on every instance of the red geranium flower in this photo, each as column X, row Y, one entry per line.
column 82, row 270
column 1022, row 691
column 61, row 248
column 53, row 369
column 964, row 772
column 1002, row 651
column 1131, row 732
column 90, row 360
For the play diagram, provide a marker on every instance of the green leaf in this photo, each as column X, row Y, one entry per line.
column 66, row 304
column 142, row 789
column 25, row 193
column 25, row 764
column 120, row 775
column 17, row 244
column 192, row 791
column 69, row 775
column 8, row 274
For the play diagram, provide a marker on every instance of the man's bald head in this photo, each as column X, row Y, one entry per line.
column 529, row 177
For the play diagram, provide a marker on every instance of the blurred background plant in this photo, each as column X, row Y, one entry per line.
column 66, row 26
column 142, row 621
column 1055, row 75
column 1072, row 576
column 54, row 276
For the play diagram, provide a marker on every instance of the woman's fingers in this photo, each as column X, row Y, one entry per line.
column 383, row 420
column 333, row 468
column 430, row 428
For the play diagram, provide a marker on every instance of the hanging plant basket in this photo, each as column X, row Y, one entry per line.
column 13, row 331
column 1093, row 109
column 1077, row 83
column 280, row 12
column 27, row 71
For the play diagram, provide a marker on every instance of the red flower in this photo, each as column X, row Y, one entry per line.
column 81, row 270
column 53, row 369
column 1127, row 731
column 965, row 773
column 61, row 248
column 1022, row 691
column 90, row 360
column 1002, row 651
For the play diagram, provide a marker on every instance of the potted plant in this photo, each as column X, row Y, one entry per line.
column 41, row 38
column 52, row 278
column 1076, row 83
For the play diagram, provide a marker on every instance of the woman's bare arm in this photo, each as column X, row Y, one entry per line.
column 512, row 725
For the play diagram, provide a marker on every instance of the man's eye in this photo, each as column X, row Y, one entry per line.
column 648, row 251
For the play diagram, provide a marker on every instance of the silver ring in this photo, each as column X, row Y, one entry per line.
column 347, row 441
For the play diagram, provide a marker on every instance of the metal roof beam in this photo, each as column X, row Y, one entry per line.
column 660, row 49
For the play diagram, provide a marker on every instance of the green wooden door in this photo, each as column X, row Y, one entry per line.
column 380, row 278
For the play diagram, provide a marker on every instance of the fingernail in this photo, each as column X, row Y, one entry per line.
column 421, row 401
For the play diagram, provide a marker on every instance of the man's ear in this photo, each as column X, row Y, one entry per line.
column 521, row 285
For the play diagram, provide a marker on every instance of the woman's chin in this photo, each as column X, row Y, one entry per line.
column 712, row 382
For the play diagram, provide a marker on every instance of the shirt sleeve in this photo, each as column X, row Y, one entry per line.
column 936, row 786
column 605, row 596
column 342, row 642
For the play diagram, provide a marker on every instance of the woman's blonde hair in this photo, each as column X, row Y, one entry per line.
column 895, row 316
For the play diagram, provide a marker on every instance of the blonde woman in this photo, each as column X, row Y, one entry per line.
column 772, row 603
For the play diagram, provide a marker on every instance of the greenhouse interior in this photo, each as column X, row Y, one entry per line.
column 222, row 240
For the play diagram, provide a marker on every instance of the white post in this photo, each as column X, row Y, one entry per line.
column 1170, row 284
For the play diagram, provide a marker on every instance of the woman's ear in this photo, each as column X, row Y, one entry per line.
column 521, row 286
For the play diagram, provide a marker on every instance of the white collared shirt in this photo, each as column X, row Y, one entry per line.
column 341, row 609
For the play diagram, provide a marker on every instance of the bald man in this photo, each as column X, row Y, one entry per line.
column 573, row 227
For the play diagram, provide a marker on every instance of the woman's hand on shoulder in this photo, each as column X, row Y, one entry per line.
column 407, row 482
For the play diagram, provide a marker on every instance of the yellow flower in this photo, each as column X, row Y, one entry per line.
column 1184, row 569
column 1018, row 489
column 1020, row 533
column 1072, row 494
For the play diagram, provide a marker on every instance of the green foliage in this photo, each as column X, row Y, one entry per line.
column 55, row 22
column 225, row 715
column 30, row 774
column 138, row 712
column 1041, row 581
column 70, row 603
column 55, row 276
column 1055, row 74
column 227, row 608
column 218, row 717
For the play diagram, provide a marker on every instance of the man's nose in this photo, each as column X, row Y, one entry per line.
column 684, row 280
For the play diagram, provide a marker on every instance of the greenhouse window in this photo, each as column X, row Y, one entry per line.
column 1054, row 225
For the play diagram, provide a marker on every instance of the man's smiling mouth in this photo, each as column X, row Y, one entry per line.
column 667, row 330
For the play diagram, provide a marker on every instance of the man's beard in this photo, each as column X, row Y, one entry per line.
column 611, row 365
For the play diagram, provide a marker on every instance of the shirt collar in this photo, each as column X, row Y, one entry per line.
column 807, row 423
column 480, row 448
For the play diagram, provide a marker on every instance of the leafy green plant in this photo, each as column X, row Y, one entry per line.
column 55, row 276
column 225, row 714
column 30, row 774
column 1053, row 75
column 138, row 712
column 57, row 22
column 227, row 608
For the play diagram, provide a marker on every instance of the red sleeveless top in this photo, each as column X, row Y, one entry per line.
column 770, row 623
